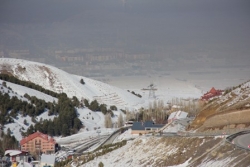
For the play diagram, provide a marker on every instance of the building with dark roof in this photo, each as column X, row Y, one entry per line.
column 145, row 127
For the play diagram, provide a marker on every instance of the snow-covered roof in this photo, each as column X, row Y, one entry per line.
column 175, row 106
column 13, row 152
column 178, row 115
column 143, row 125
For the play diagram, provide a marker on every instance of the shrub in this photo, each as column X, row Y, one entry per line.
column 113, row 108
column 82, row 81
column 4, row 84
column 100, row 164
column 25, row 122
column 124, row 111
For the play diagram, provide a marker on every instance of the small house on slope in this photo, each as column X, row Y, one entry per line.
column 212, row 93
column 177, row 115
column 145, row 127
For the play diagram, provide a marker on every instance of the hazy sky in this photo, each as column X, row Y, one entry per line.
column 166, row 28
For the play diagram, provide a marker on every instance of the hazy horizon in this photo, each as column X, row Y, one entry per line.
column 169, row 35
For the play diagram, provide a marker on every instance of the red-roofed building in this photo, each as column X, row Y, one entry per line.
column 212, row 93
column 38, row 142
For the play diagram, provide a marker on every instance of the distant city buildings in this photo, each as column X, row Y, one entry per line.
column 89, row 62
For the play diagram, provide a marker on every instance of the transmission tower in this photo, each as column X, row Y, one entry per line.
column 152, row 90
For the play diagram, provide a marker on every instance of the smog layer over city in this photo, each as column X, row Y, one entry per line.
column 98, row 39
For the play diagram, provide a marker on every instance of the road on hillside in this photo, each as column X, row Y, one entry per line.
column 85, row 146
column 243, row 141
column 112, row 138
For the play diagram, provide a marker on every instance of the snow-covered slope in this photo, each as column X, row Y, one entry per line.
column 19, row 91
column 240, row 94
column 90, row 119
column 169, row 151
column 56, row 80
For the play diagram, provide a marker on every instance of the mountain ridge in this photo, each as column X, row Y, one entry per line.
column 59, row 81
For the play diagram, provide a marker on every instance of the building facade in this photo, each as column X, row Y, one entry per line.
column 38, row 143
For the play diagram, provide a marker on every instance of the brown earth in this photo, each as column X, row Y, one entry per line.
column 228, row 119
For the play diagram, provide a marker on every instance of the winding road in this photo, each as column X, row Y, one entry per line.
column 243, row 141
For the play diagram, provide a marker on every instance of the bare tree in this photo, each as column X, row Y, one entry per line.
column 108, row 121
column 120, row 120
column 129, row 115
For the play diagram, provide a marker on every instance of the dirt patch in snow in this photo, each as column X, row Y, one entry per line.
column 6, row 69
column 48, row 75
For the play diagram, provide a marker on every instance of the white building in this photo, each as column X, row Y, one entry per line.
column 48, row 160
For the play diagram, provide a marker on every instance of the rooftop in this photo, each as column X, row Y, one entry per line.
column 146, row 124
column 37, row 134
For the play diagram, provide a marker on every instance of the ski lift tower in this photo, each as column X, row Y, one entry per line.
column 152, row 90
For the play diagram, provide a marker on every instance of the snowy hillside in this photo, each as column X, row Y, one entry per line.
column 54, row 79
column 59, row 81
column 91, row 120
column 171, row 152
column 19, row 91
column 240, row 94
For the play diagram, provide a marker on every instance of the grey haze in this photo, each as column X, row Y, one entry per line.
column 168, row 34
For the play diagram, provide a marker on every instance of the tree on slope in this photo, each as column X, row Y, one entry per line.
column 82, row 81
column 120, row 120
column 100, row 164
column 108, row 121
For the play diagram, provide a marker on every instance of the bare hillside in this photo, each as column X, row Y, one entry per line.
column 230, row 109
